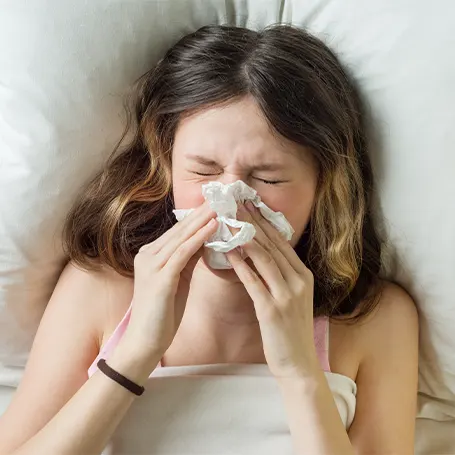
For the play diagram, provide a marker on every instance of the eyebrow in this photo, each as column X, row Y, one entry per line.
column 259, row 167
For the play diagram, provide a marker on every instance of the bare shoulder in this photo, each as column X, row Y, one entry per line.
column 392, row 323
column 394, row 320
column 83, row 308
column 385, row 344
column 395, row 303
column 106, row 292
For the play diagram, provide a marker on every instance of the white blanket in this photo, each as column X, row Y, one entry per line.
column 217, row 410
column 256, row 397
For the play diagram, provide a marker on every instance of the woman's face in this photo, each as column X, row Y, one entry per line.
column 234, row 142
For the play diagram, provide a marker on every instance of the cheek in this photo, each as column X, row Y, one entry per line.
column 187, row 195
column 295, row 204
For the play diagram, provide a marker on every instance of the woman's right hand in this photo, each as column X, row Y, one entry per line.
column 162, row 275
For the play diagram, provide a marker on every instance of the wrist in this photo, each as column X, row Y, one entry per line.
column 134, row 365
column 308, row 385
column 303, row 367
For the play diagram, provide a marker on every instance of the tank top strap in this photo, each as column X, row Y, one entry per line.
column 321, row 341
column 112, row 341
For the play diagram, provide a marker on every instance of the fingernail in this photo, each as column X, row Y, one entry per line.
column 241, row 208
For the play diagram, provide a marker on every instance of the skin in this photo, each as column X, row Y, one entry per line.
column 239, row 142
column 237, row 319
column 230, row 142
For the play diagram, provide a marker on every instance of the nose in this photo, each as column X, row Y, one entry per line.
column 231, row 177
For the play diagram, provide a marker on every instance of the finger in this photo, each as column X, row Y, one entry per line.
column 253, row 284
column 194, row 221
column 272, row 233
column 186, row 250
column 267, row 268
column 271, row 246
column 181, row 231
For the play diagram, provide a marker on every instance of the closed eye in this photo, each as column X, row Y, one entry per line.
column 205, row 175
column 268, row 182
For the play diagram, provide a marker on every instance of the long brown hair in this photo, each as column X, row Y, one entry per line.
column 306, row 96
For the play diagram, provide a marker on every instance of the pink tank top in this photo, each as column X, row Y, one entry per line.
column 321, row 341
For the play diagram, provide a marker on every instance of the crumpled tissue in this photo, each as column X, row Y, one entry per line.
column 223, row 200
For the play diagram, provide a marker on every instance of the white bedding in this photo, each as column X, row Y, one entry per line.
column 433, row 436
column 65, row 65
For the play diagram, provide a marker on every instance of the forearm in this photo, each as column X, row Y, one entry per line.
column 314, row 421
column 86, row 423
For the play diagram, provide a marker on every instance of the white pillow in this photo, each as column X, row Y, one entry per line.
column 400, row 53
column 65, row 65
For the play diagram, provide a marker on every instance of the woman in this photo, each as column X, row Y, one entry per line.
column 276, row 110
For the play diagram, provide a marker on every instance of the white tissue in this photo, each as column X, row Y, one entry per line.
column 223, row 200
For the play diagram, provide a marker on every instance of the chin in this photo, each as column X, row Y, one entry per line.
column 225, row 274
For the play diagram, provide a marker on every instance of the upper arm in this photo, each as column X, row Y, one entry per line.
column 387, row 378
column 66, row 343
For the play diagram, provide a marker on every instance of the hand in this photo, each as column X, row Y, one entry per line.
column 281, row 288
column 162, row 275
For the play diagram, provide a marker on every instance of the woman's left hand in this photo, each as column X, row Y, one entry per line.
column 282, row 292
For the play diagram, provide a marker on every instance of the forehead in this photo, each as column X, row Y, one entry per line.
column 234, row 131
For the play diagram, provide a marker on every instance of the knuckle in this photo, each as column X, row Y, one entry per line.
column 286, row 299
column 250, row 276
column 270, row 314
column 300, row 288
column 308, row 275
column 148, row 247
column 144, row 263
column 300, row 285
column 269, row 245
column 138, row 259
column 143, row 248
column 278, row 238
column 267, row 257
column 144, row 257
column 183, row 249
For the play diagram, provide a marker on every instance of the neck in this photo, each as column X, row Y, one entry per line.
column 220, row 296
column 219, row 324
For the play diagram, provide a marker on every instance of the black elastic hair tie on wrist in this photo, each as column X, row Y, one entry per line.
column 119, row 378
